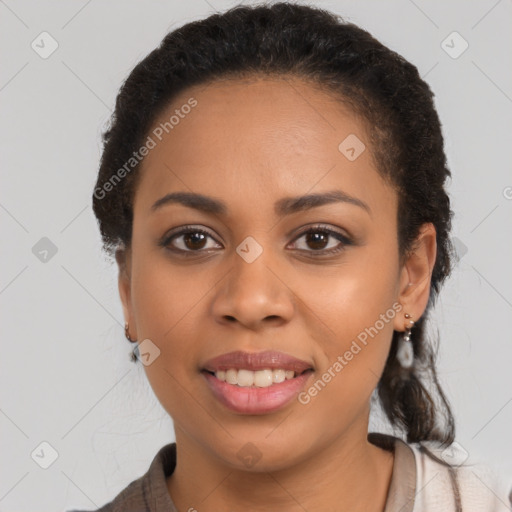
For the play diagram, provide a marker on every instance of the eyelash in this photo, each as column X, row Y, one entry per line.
column 319, row 228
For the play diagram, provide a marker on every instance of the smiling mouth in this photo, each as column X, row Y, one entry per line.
column 256, row 378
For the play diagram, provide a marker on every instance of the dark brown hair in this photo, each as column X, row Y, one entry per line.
column 403, row 129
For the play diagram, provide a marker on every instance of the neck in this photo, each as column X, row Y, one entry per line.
column 348, row 474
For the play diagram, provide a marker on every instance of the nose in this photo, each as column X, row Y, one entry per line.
column 254, row 295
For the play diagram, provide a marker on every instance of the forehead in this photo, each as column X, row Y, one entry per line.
column 276, row 110
column 264, row 137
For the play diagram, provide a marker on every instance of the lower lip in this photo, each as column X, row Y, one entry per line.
column 247, row 400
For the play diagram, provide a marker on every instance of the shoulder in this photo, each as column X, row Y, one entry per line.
column 444, row 476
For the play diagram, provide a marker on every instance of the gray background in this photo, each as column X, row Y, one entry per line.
column 66, row 378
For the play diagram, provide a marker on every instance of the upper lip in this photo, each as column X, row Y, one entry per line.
column 256, row 361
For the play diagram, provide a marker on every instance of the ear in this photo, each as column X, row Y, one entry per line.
column 123, row 259
column 415, row 276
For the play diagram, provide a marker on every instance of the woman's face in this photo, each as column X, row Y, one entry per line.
column 256, row 280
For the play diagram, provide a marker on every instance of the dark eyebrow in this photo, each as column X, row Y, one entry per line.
column 285, row 206
column 290, row 205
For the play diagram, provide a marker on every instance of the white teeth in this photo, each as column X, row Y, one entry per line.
column 278, row 376
column 261, row 378
column 232, row 376
column 245, row 378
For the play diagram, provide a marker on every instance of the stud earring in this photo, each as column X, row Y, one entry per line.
column 127, row 333
column 134, row 354
column 405, row 352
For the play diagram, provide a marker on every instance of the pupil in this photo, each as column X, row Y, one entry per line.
column 314, row 238
column 194, row 238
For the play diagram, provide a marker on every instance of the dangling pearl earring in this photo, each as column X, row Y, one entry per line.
column 405, row 352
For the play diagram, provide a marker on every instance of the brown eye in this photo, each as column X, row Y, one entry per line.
column 189, row 240
column 194, row 240
column 317, row 239
column 320, row 241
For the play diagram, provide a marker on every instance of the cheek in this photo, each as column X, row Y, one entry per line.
column 167, row 301
column 351, row 297
column 164, row 295
column 354, row 310
column 350, row 361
